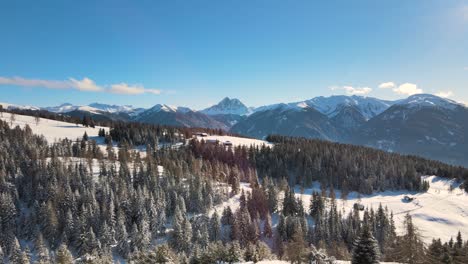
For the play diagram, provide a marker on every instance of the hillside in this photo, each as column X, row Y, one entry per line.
column 437, row 212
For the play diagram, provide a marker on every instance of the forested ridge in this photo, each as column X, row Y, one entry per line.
column 346, row 167
column 158, row 208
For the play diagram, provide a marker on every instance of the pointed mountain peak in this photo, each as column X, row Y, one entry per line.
column 227, row 106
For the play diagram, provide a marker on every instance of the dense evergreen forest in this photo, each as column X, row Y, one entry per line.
column 72, row 202
column 345, row 167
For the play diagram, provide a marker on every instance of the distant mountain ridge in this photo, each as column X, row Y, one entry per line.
column 422, row 124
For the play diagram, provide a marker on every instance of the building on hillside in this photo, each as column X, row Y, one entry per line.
column 227, row 143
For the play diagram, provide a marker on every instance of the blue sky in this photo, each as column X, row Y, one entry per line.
column 194, row 53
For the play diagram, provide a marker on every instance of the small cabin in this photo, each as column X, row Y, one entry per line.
column 408, row 199
column 359, row 207
column 200, row 134
column 227, row 143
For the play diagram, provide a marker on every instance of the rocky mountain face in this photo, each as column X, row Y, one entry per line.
column 177, row 116
column 305, row 122
column 423, row 125
column 227, row 106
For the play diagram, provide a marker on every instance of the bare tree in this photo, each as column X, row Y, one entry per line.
column 37, row 119
column 12, row 118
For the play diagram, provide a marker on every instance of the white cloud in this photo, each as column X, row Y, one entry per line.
column 445, row 94
column 387, row 85
column 19, row 81
column 85, row 84
column 123, row 88
column 408, row 89
column 353, row 90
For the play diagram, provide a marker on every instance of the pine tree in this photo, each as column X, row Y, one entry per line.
column 459, row 243
column 410, row 248
column 25, row 257
column 215, row 227
column 63, row 255
column 267, row 229
column 366, row 249
column 234, row 253
column 42, row 253
column 295, row 249
column 15, row 252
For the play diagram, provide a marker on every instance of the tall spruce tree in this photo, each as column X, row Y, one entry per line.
column 366, row 249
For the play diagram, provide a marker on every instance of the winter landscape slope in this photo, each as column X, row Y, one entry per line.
column 51, row 129
column 439, row 213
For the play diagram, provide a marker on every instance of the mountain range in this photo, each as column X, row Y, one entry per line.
column 423, row 124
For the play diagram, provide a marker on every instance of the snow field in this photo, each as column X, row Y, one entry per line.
column 438, row 213
column 53, row 130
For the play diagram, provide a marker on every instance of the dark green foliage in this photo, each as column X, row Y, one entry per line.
column 366, row 249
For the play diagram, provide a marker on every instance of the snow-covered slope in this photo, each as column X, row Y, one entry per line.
column 429, row 100
column 368, row 106
column 438, row 213
column 53, row 130
column 330, row 106
column 166, row 108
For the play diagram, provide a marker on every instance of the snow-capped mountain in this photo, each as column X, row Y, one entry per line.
column 117, row 108
column 330, row 106
column 63, row 108
column 227, row 106
column 308, row 123
column 8, row 106
column 177, row 116
column 423, row 124
column 166, row 108
column 67, row 107
column 429, row 100
column 368, row 106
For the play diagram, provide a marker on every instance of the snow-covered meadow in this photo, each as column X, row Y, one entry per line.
column 52, row 129
column 440, row 212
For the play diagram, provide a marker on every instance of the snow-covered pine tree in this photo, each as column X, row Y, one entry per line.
column 366, row 249
column 63, row 255
column 215, row 227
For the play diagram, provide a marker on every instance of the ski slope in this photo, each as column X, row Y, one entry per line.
column 438, row 213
